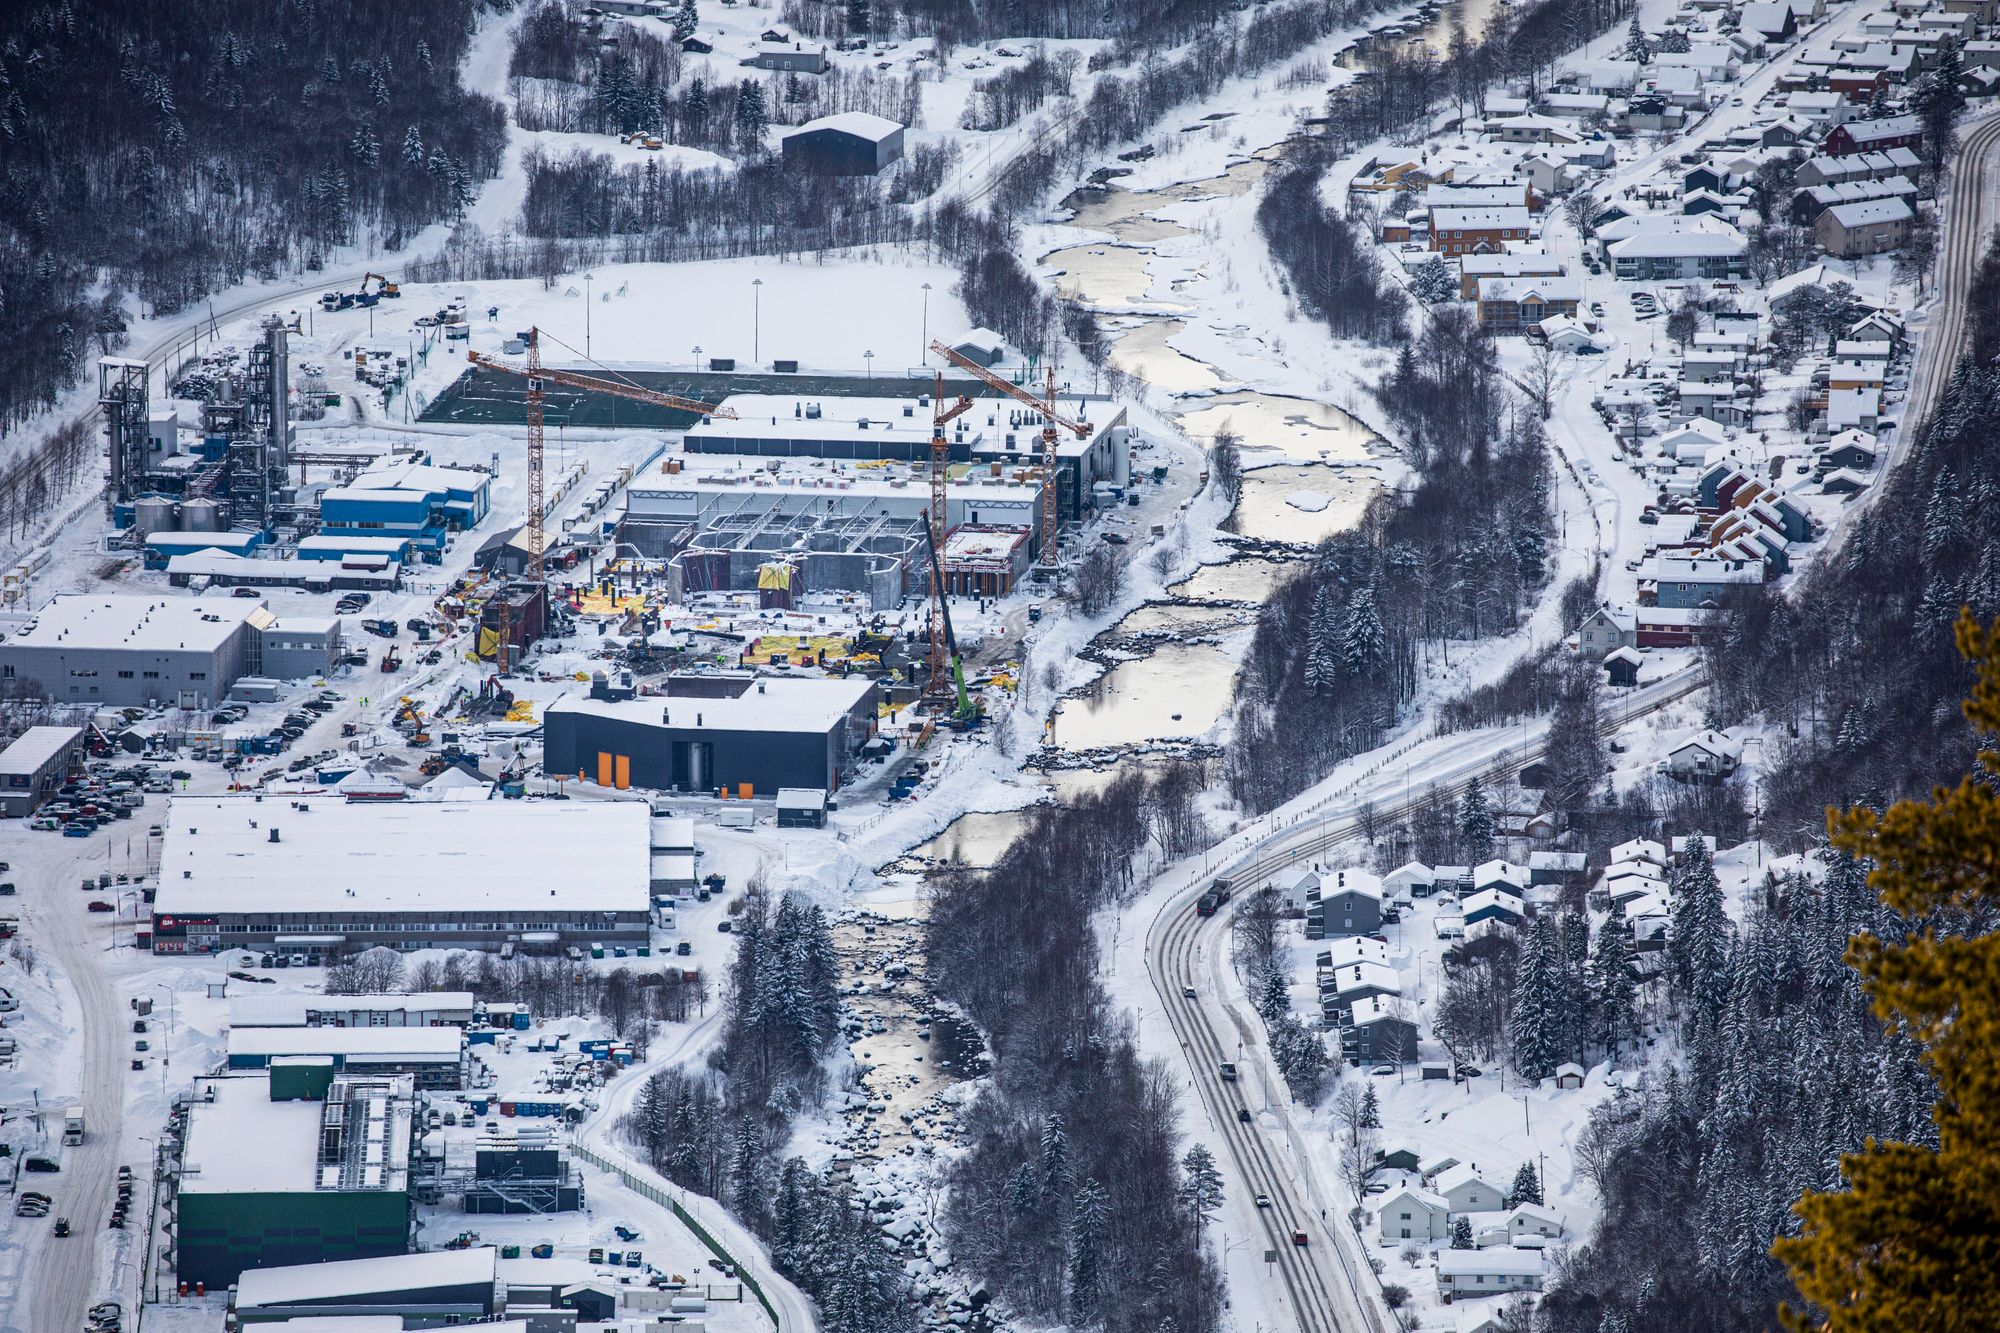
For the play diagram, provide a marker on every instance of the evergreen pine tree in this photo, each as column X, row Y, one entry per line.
column 1275, row 1002
column 1433, row 282
column 1535, row 1024
column 1089, row 1216
column 1635, row 43
column 1361, row 635
column 1613, row 993
column 1475, row 822
column 1201, row 1186
column 1527, row 1186
column 413, row 147
column 1461, row 1232
column 752, row 115
column 1371, row 1109
column 1698, row 938
column 1056, row 1178
column 686, row 20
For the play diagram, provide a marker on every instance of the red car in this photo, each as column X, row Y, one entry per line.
column 99, row 905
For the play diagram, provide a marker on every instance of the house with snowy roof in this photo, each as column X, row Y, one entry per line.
column 1706, row 755
column 1533, row 1220
column 1412, row 877
column 1466, row 1191
column 1499, row 905
column 1346, row 902
column 1638, row 850
column 1296, row 886
column 1413, row 1214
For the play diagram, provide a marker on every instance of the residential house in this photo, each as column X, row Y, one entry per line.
column 1296, row 887
column 1379, row 1032
column 1532, row 129
column 1398, row 1155
column 1511, row 305
column 1567, row 333
column 1623, row 883
column 1414, row 1214
column 1351, row 950
column 1473, row 269
column 1502, row 875
column 1853, row 449
column 1492, row 1272
column 1870, row 227
column 1681, row 581
column 1674, row 247
column 1463, row 231
column 1466, row 1191
column 1640, row 851
column 1726, row 403
column 1348, row 902
column 1705, row 756
column 1556, row 867
column 1808, row 204
column 1341, row 988
column 1569, row 1076
column 797, row 60
column 1827, row 169
column 1532, row 1220
column 1874, row 136
column 1844, row 481
column 1413, row 877
column 1772, row 22
column 1853, row 409
column 1499, row 905
column 1452, row 879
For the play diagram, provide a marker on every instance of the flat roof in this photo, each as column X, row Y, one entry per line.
column 242, row 1142
column 375, row 857
column 761, row 415
column 353, row 1277
column 386, row 1041
column 264, row 1009
column 782, row 704
column 35, row 747
column 162, row 624
column 353, row 542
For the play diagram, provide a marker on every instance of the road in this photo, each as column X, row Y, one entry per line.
column 61, row 1276
column 1180, row 944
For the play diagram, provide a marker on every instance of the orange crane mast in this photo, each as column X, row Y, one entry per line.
column 1051, row 419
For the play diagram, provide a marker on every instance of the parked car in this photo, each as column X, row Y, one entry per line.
column 99, row 905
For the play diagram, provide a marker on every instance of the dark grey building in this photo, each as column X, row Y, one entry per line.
column 852, row 143
column 296, row 647
column 35, row 765
column 710, row 732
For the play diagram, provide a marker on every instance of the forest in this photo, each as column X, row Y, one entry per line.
column 1069, row 1201
column 164, row 152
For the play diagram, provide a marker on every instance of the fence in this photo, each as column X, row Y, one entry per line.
column 649, row 1187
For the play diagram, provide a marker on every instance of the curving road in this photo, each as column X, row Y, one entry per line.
column 1179, row 943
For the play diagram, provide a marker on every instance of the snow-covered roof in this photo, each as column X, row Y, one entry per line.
column 1639, row 849
column 1351, row 949
column 1535, row 1212
column 282, row 1009
column 1360, row 976
column 777, row 703
column 1549, row 287
column 1502, row 898
column 1714, row 742
column 1631, row 656
column 1479, row 219
column 1375, row 1008
column 240, row 1141
column 1497, row 1260
column 85, row 622
column 299, row 1283
column 800, row 798
column 1435, row 1202
column 1350, row 880
column 404, row 1043
column 1410, row 872
column 35, row 747
column 1676, row 244
column 1460, row 1174
column 218, row 856
column 858, row 123
column 1869, row 211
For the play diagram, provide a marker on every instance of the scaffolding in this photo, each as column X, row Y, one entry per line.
column 260, row 446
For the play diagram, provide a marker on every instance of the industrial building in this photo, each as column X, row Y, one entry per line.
column 432, row 1056
column 201, row 570
column 124, row 650
column 427, row 1290
column 324, row 876
column 1002, row 436
column 416, row 502
column 234, row 474
column 289, row 1166
column 299, row 1009
column 516, row 1170
column 852, row 143
column 296, row 647
column 34, row 765
column 742, row 734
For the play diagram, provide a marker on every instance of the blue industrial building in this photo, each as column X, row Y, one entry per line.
column 162, row 547
column 416, row 501
column 340, row 545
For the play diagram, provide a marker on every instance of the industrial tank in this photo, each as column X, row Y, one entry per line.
column 201, row 515
column 151, row 514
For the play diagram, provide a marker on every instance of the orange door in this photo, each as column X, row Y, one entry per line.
column 624, row 771
column 604, row 768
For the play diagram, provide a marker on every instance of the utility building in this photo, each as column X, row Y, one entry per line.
column 852, row 143
column 741, row 734
column 293, row 1166
column 125, row 650
column 321, row 875
column 35, row 765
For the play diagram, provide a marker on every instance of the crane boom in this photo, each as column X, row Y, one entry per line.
column 592, row 384
column 1046, row 405
column 937, row 685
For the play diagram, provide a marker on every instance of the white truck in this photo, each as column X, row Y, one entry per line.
column 73, row 1126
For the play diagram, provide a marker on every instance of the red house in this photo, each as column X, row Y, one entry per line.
column 1872, row 136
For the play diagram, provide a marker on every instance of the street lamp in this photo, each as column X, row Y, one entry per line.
column 586, row 316
column 869, row 357
column 924, row 340
column 756, row 320
column 697, row 358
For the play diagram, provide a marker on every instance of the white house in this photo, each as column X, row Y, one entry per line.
column 1414, row 1214
column 1500, row 874
column 1639, row 849
column 1532, row 1219
column 1626, row 882
column 1462, row 1273
column 1295, row 886
column 1706, row 754
column 1468, row 1192
column 1353, row 949
column 1412, row 876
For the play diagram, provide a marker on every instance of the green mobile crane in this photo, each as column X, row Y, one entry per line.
column 968, row 713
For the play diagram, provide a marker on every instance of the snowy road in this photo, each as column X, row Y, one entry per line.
column 61, row 1275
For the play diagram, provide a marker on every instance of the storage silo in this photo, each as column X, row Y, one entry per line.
column 201, row 515
column 151, row 514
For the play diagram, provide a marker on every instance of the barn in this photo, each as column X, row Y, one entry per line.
column 852, row 143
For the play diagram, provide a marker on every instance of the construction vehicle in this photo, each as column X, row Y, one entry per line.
column 1051, row 419
column 966, row 712
column 383, row 287
column 538, row 379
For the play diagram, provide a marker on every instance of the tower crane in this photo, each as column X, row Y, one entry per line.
column 943, row 667
column 1045, row 403
column 539, row 377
